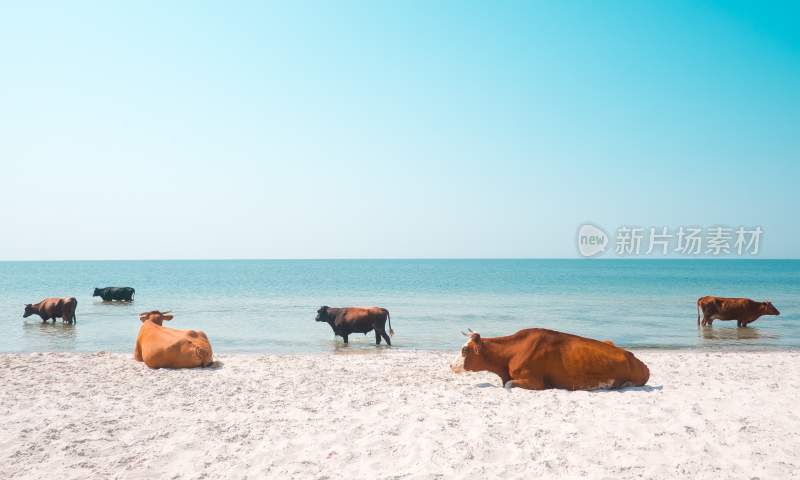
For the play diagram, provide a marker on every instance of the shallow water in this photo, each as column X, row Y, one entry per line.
column 269, row 305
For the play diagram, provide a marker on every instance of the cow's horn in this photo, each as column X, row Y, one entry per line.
column 470, row 330
column 166, row 312
column 464, row 333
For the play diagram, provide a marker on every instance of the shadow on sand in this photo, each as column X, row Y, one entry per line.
column 644, row 388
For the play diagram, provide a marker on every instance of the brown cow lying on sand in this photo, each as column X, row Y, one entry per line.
column 164, row 347
column 743, row 310
column 538, row 359
column 52, row 308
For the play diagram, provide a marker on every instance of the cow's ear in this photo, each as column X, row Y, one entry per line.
column 475, row 341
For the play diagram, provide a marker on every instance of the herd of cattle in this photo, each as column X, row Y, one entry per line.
column 533, row 358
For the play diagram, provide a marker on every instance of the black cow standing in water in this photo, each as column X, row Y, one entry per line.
column 123, row 294
column 345, row 321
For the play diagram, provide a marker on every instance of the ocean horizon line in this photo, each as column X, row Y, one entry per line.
column 329, row 259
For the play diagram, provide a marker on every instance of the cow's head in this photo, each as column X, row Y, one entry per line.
column 470, row 357
column 322, row 314
column 769, row 309
column 96, row 292
column 155, row 316
column 28, row 310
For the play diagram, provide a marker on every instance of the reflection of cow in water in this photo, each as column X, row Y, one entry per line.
column 52, row 308
column 122, row 294
column 345, row 321
column 743, row 310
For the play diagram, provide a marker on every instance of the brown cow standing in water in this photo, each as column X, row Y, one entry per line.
column 52, row 308
column 743, row 310
column 345, row 321
column 538, row 359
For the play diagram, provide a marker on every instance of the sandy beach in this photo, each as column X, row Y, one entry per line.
column 392, row 414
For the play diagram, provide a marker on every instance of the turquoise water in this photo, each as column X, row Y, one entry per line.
column 269, row 305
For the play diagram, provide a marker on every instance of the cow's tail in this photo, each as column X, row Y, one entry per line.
column 75, row 317
column 698, row 311
column 389, row 318
column 640, row 374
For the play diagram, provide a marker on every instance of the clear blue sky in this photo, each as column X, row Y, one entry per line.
column 391, row 129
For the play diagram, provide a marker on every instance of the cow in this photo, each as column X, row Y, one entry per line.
column 52, row 308
column 743, row 310
column 538, row 359
column 345, row 321
column 108, row 294
column 164, row 347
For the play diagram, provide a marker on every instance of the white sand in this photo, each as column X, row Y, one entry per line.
column 393, row 414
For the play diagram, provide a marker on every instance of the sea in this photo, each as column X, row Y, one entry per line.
column 270, row 306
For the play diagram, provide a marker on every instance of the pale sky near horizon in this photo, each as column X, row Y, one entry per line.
column 146, row 130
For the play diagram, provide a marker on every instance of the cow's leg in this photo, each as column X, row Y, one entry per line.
column 708, row 312
column 377, row 338
column 386, row 337
column 345, row 338
column 529, row 384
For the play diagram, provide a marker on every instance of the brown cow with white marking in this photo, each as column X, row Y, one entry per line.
column 538, row 359
column 743, row 310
